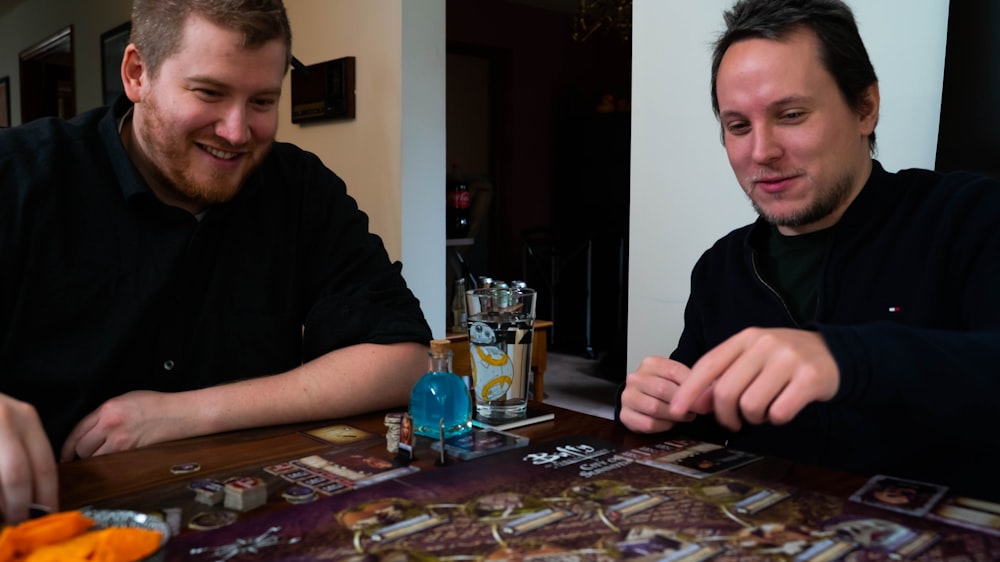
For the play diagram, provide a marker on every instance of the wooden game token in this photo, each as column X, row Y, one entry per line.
column 246, row 493
column 208, row 491
column 185, row 468
column 208, row 520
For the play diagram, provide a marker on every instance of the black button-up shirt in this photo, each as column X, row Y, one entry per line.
column 104, row 289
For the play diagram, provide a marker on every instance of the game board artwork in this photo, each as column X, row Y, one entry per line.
column 582, row 500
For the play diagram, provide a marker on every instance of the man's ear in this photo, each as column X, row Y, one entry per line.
column 134, row 74
column 869, row 109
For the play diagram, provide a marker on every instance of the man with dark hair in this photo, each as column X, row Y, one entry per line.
column 856, row 323
column 168, row 270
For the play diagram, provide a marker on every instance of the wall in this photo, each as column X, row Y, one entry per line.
column 391, row 156
column 683, row 193
column 35, row 20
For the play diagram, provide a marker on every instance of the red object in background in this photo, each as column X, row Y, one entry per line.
column 458, row 205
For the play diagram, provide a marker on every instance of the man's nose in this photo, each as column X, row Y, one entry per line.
column 234, row 126
column 766, row 147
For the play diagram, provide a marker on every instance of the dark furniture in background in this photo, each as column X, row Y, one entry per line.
column 967, row 136
column 581, row 261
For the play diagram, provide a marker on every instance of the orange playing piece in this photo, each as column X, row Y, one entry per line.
column 63, row 537
column 114, row 544
column 6, row 545
column 50, row 529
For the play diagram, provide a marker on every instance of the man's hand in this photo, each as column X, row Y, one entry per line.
column 131, row 420
column 27, row 466
column 760, row 375
column 649, row 393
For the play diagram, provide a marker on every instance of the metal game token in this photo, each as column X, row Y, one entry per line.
column 208, row 520
column 299, row 494
column 186, row 468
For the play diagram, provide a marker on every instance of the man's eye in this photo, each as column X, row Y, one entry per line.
column 737, row 128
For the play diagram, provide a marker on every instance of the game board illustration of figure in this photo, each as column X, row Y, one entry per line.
column 777, row 539
column 388, row 519
column 502, row 506
column 611, row 500
column 392, row 555
column 546, row 553
column 642, row 544
column 880, row 535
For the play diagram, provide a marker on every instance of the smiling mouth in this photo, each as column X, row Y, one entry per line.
column 220, row 154
column 771, row 184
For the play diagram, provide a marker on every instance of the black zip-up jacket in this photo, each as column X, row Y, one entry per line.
column 909, row 306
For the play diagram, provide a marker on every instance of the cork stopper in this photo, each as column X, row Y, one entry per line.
column 440, row 346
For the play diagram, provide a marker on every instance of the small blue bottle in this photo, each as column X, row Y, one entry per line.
column 440, row 395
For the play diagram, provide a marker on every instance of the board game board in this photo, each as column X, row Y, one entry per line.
column 582, row 500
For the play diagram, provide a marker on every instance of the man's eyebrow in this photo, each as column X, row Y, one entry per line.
column 791, row 100
column 220, row 85
column 776, row 104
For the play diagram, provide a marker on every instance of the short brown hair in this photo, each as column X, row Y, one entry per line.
column 158, row 25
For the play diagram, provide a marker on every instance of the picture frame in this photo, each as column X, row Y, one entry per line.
column 4, row 102
column 113, row 43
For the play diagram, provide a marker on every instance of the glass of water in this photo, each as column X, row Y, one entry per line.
column 501, row 324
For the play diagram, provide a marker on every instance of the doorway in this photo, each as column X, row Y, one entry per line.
column 558, row 159
column 48, row 78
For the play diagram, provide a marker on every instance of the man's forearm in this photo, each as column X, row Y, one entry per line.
column 341, row 383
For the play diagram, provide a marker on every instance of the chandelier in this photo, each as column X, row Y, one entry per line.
column 611, row 16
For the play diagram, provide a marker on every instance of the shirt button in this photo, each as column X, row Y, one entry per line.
column 168, row 365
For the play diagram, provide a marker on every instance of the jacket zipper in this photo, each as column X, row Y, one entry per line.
column 760, row 278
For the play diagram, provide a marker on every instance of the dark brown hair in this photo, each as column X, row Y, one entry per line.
column 841, row 49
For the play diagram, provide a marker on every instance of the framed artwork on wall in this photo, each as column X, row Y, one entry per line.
column 113, row 43
column 5, row 102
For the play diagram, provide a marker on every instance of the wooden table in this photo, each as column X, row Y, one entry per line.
column 131, row 479
column 462, row 361
column 141, row 480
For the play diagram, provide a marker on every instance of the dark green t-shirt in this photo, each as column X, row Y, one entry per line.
column 791, row 265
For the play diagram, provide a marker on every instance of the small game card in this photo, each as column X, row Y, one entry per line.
column 480, row 442
column 362, row 469
column 969, row 513
column 339, row 434
column 897, row 494
column 691, row 458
